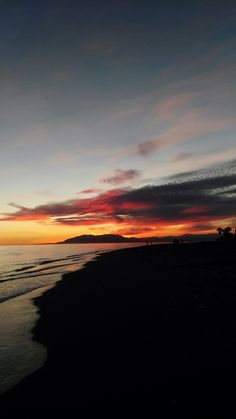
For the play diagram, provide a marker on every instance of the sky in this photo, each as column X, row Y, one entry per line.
column 116, row 117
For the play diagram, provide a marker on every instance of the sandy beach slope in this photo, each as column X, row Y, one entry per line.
column 151, row 326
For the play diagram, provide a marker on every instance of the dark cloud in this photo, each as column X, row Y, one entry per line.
column 90, row 191
column 182, row 156
column 196, row 200
column 181, row 201
column 229, row 191
column 121, row 176
column 223, row 169
column 147, row 147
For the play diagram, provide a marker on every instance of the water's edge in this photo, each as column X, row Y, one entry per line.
column 20, row 353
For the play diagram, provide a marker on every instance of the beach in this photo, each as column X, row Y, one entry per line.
column 145, row 327
column 26, row 272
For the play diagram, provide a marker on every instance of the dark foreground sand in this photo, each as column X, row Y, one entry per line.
column 139, row 328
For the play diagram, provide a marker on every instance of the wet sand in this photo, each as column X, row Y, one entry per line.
column 148, row 327
column 19, row 354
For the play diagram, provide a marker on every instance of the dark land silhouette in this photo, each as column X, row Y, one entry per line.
column 103, row 238
column 151, row 327
column 116, row 238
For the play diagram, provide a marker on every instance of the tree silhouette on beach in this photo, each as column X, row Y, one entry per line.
column 227, row 232
column 226, row 235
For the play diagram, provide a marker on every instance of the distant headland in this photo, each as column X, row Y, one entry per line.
column 103, row 238
column 116, row 238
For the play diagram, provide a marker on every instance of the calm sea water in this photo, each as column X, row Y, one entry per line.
column 26, row 268
column 26, row 272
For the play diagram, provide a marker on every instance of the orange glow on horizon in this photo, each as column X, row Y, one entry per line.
column 36, row 233
column 136, row 212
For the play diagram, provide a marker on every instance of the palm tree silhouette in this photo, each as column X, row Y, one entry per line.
column 227, row 231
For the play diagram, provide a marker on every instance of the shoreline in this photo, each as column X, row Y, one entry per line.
column 20, row 355
column 145, row 325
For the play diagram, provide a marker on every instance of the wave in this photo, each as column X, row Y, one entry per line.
column 39, row 274
column 34, row 270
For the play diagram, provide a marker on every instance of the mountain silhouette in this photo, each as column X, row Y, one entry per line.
column 104, row 238
column 116, row 238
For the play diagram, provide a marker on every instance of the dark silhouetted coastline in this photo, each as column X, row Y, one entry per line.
column 146, row 327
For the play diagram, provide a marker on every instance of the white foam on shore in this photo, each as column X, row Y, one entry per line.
column 19, row 354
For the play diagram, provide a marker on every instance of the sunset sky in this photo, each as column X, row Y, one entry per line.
column 116, row 117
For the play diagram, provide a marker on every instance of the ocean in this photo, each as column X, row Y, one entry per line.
column 25, row 273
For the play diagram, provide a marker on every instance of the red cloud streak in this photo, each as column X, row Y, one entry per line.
column 189, row 202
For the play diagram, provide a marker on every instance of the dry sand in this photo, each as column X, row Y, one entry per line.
column 148, row 327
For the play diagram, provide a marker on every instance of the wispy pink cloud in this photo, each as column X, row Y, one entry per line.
column 170, row 107
column 189, row 126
